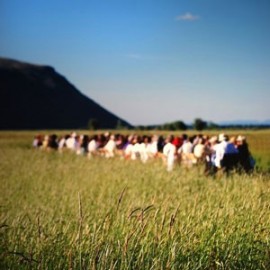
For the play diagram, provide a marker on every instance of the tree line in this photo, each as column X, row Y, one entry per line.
column 197, row 124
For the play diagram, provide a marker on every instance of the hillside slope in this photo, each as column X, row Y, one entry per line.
column 37, row 97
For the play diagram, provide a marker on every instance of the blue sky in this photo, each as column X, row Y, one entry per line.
column 151, row 61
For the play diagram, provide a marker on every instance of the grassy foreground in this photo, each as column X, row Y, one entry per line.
column 68, row 212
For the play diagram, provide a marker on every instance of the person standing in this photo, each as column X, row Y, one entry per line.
column 246, row 161
column 169, row 152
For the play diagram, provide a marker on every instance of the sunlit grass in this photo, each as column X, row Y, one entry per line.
column 62, row 211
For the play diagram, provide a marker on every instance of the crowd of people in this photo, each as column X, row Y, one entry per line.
column 216, row 153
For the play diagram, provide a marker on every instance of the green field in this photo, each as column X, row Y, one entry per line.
column 63, row 211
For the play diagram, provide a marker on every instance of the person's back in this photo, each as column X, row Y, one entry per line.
column 169, row 151
column 186, row 148
column 231, row 157
column 220, row 150
column 52, row 143
column 185, row 152
column 128, row 150
column 152, row 147
column 144, row 151
column 199, row 151
column 71, row 142
column 110, row 147
column 244, row 154
column 92, row 147
column 62, row 143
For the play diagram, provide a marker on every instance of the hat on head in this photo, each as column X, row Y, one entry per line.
column 221, row 137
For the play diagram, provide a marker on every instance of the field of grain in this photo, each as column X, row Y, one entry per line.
column 63, row 211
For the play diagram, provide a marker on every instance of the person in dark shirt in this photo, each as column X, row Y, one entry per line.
column 244, row 154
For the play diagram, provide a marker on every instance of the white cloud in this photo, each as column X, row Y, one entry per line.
column 187, row 17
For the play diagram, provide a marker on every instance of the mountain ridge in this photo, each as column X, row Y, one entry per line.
column 35, row 96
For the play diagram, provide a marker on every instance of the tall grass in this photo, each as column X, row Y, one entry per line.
column 62, row 211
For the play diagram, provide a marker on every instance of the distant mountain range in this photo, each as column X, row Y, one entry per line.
column 37, row 97
column 245, row 123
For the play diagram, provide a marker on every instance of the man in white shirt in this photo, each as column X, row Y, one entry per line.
column 185, row 151
column 110, row 147
column 199, row 150
column 220, row 150
column 92, row 147
column 71, row 142
column 169, row 151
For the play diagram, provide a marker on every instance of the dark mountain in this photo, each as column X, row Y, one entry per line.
column 37, row 97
